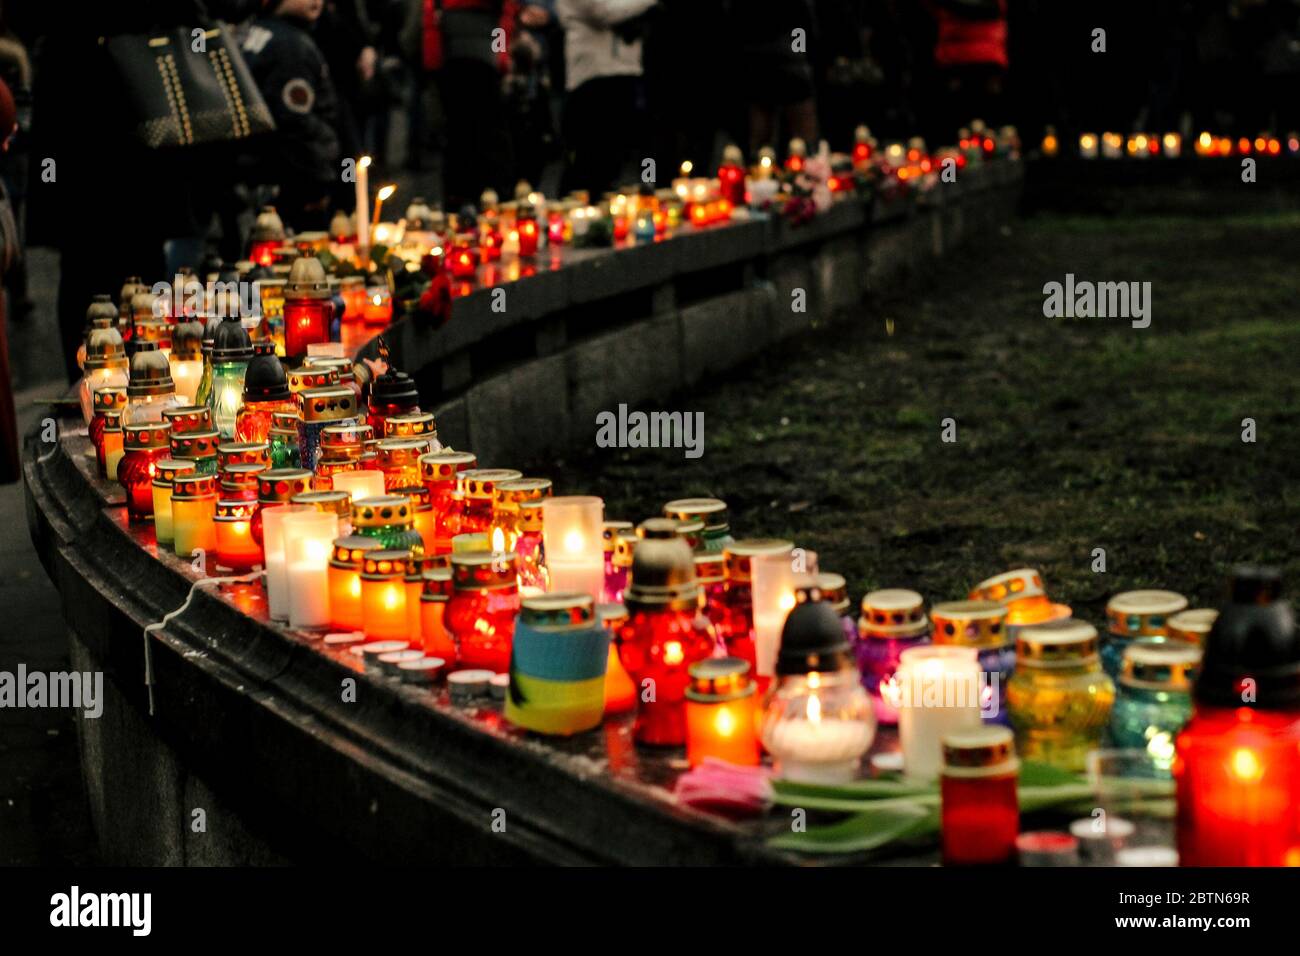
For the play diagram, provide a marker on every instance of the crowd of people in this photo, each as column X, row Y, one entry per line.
column 466, row 95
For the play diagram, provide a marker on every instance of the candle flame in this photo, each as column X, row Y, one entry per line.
column 390, row 598
column 498, row 540
column 724, row 723
column 363, row 162
column 573, row 542
column 355, row 585
column 890, row 691
column 687, row 166
column 1246, row 765
column 386, row 191
column 673, row 653
column 814, row 709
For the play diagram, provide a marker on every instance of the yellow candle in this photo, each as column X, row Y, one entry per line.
column 383, row 595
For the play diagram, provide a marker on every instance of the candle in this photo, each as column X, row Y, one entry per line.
column 368, row 483
column 308, row 537
column 106, row 363
column 980, row 814
column 819, row 722
column 572, row 532
column 893, row 620
column 186, row 360
column 738, row 595
column 557, row 666
column 1154, row 700
column 146, row 445
column 939, row 693
column 308, row 307
column 481, row 612
column 165, row 471
column 721, row 713
column 236, row 549
column 345, row 579
column 277, row 575
column 773, row 600
column 981, row 625
column 1112, row 145
column 436, row 595
column 194, row 503
column 1135, row 614
column 383, row 595
column 363, row 211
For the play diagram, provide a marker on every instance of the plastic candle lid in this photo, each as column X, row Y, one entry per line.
column 1066, row 642
column 1156, row 663
column 893, row 612
column 1133, row 613
column 974, row 623
column 1017, row 585
column 1192, row 625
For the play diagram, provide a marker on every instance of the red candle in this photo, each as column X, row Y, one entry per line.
column 481, row 612
column 731, row 180
column 527, row 228
column 145, row 445
column 980, row 816
column 439, row 471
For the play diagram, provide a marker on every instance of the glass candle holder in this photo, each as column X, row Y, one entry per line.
column 573, row 539
column 232, row 350
column 308, row 307
column 186, row 360
column 379, row 305
column 321, row 408
column 421, row 516
column 236, row 549
column 981, row 625
column 739, row 594
column 198, row 447
column 273, row 515
column 711, row 575
column 1021, row 592
column 477, row 488
column 1059, row 698
column 436, row 639
column 1135, row 614
column 712, row 511
column 150, row 388
column 439, row 471
column 506, row 500
column 620, row 692
column 399, row 460
column 557, row 665
column 774, row 598
column 529, row 551
column 416, row 565
column 980, row 815
column 360, row 484
column 242, row 453
column 1192, row 626
column 1154, row 698
column 345, row 580
column 311, row 375
column 186, row 419
column 194, row 505
column 389, row 519
column 481, row 612
column 145, row 445
column 615, row 576
column 819, row 721
column 266, row 391
column 308, row 544
column 722, row 713
column 277, row 486
column 106, row 364
column 283, row 439
column 337, row 503
column 938, row 694
column 383, row 595
column 165, row 471
column 106, row 401
column 413, row 425
column 393, row 393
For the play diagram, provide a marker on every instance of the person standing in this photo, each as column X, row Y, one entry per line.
column 9, row 254
column 605, row 111
column 303, row 155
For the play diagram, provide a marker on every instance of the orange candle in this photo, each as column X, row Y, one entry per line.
column 383, row 595
column 437, row 640
column 236, row 548
column 721, row 712
column 345, row 579
column 620, row 691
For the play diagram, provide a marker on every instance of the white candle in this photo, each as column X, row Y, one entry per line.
column 308, row 540
column 573, row 536
column 363, row 210
column 367, row 483
column 773, row 590
column 277, row 580
column 821, row 751
column 938, row 694
column 325, row 350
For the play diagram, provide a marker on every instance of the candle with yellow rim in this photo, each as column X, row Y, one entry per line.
column 194, row 502
column 345, row 579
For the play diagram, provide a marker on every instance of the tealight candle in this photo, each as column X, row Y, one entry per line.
column 308, row 538
column 574, row 544
column 721, row 713
column 939, row 694
column 368, row 483
column 383, row 595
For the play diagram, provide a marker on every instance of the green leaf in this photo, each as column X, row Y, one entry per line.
column 865, row 831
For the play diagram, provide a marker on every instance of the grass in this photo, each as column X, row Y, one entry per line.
column 1072, row 434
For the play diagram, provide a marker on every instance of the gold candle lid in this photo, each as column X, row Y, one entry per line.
column 384, row 565
column 739, row 555
column 311, row 376
column 419, row 496
column 327, row 404
column 189, row 418
column 330, row 502
column 444, row 465
column 969, row 623
column 558, row 611
column 165, row 471
column 1056, row 643
column 1142, row 613
column 663, row 569
column 480, row 483
column 1011, row 587
column 712, row 511
column 509, row 495
column 350, row 549
column 346, row 438
column 281, row 484
column 231, row 510
column 484, row 570
column 410, row 425
column 195, row 445
column 624, row 549
column 384, row 511
column 719, row 679
column 1192, row 625
column 893, row 612
column 285, row 421
column 146, row 436
column 823, row 586
column 611, row 530
column 530, row 516
column 397, row 452
column 986, row 747
column 194, row 487
column 710, row 568
column 241, row 474
column 1158, row 663
column 690, row 530
column 243, row 452
column 437, row 584
column 110, row 398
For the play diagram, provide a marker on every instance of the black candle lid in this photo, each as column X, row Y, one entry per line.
column 813, row 640
column 1252, row 654
column 230, row 342
column 265, row 380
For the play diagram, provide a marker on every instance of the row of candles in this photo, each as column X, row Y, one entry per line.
column 1170, row 145
column 432, row 558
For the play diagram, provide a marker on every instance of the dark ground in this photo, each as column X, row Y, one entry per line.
column 1071, row 434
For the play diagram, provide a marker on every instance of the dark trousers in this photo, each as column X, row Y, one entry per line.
column 478, row 151
column 603, row 120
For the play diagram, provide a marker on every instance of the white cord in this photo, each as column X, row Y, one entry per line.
column 158, row 626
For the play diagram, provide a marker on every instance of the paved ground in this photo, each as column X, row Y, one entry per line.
column 43, row 815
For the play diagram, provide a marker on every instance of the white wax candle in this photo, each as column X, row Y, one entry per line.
column 363, row 210
column 588, row 578
column 308, row 540
column 309, row 604
column 821, row 751
column 773, row 590
column 938, row 694
column 367, row 483
column 572, row 529
column 277, row 580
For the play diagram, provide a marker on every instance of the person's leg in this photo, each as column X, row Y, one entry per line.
column 478, row 137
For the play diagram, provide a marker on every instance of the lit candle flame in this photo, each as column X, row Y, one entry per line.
column 1246, row 766
column 673, row 653
column 498, row 540
column 573, row 542
column 814, row 709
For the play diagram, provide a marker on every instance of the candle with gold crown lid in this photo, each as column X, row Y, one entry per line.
column 483, row 606
column 110, row 399
column 145, row 445
column 165, row 471
column 194, row 504
column 383, row 595
column 506, row 499
column 389, row 518
column 311, row 375
column 557, row 665
column 981, row 625
column 1024, row 595
column 243, row 453
column 277, row 486
column 711, row 574
column 199, row 447
column 337, row 503
column 320, row 408
column 344, row 577
column 831, row 588
column 236, row 549
column 1153, row 701
column 413, row 425
column 416, row 564
column 421, row 515
column 185, row 419
column 477, row 488
column 528, row 547
column 1193, row 625
column 283, row 439
column 712, row 511
column 440, row 472
column 399, row 460
column 722, row 713
column 893, row 620
column 1135, row 614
